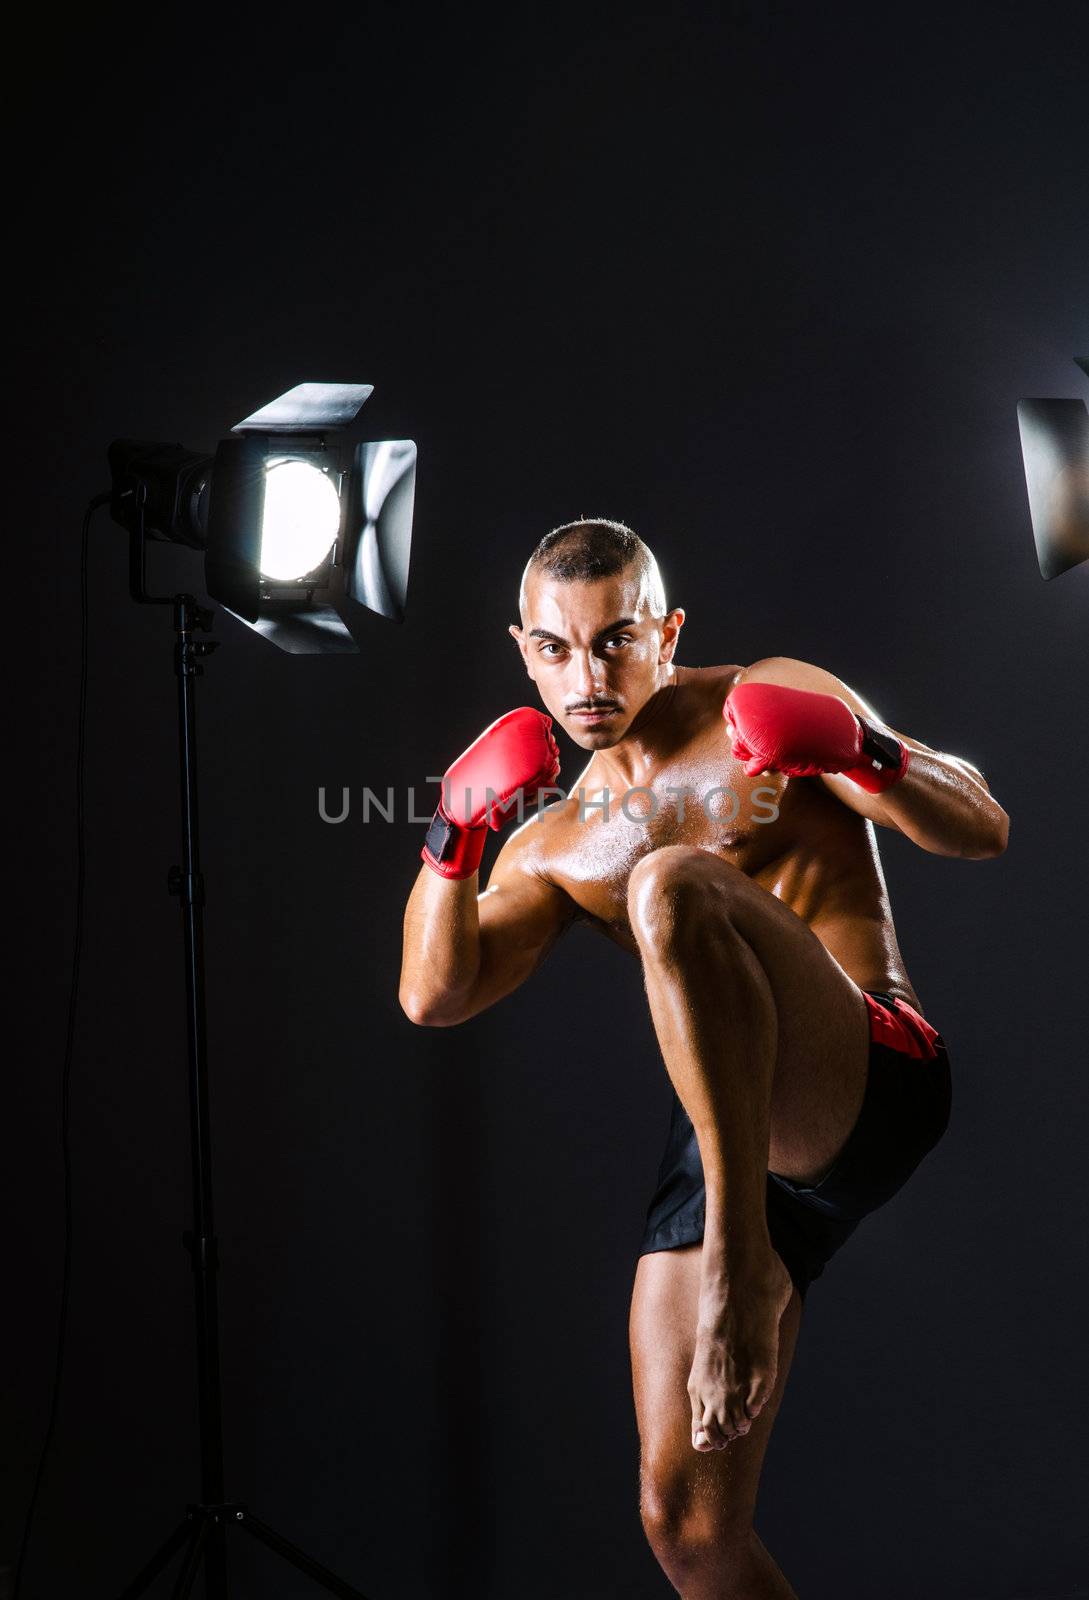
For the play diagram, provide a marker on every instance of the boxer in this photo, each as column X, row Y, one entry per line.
column 722, row 832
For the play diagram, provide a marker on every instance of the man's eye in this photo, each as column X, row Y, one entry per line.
column 620, row 639
column 545, row 647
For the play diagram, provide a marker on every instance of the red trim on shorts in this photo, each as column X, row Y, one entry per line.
column 903, row 1029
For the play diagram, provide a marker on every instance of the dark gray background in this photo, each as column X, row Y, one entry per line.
column 766, row 283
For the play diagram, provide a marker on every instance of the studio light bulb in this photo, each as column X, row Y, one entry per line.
column 301, row 521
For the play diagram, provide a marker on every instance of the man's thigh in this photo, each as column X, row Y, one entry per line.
column 823, row 1034
column 823, row 1053
column 706, row 1496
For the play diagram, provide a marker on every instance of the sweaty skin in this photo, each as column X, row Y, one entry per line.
column 791, row 836
column 764, row 1039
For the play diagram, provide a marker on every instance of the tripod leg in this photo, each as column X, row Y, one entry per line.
column 191, row 1565
column 215, row 1562
column 300, row 1559
column 147, row 1575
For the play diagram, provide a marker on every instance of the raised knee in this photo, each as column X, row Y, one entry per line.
column 670, row 887
column 665, row 877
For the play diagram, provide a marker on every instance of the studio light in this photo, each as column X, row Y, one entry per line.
column 302, row 530
column 1055, row 450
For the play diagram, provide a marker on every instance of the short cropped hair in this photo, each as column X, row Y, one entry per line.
column 596, row 548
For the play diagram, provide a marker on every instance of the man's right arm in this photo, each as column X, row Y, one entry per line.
column 464, row 950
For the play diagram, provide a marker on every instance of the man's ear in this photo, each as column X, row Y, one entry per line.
column 516, row 634
column 671, row 629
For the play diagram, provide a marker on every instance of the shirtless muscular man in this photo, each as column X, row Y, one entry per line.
column 722, row 832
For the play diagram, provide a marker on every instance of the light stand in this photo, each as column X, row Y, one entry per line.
column 202, row 1532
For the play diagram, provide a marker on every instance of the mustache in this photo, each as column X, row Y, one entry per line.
column 594, row 705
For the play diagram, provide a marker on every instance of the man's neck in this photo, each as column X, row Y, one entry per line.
column 633, row 761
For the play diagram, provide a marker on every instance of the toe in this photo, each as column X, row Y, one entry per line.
column 715, row 1429
column 757, row 1396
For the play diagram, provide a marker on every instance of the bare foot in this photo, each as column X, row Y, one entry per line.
column 737, row 1352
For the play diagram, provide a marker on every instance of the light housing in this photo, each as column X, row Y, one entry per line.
column 352, row 545
column 1055, row 450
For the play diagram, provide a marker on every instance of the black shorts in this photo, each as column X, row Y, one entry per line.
column 905, row 1111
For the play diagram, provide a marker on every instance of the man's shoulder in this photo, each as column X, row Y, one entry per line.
column 543, row 830
column 530, row 856
column 788, row 671
column 791, row 673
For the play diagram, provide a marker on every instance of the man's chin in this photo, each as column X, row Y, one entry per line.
column 596, row 738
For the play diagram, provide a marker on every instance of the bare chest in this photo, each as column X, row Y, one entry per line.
column 704, row 800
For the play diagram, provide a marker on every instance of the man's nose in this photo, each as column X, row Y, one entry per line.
column 589, row 674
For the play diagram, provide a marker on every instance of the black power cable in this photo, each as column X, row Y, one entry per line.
column 66, row 1073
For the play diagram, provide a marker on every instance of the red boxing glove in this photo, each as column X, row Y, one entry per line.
column 803, row 733
column 515, row 755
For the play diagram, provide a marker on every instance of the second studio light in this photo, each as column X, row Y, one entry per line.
column 1055, row 449
column 302, row 530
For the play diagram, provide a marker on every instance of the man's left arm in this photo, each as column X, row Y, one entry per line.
column 942, row 802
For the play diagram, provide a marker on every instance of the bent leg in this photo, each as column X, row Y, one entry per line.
column 766, row 1040
column 697, row 1509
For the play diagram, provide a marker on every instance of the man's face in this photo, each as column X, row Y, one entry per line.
column 594, row 652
